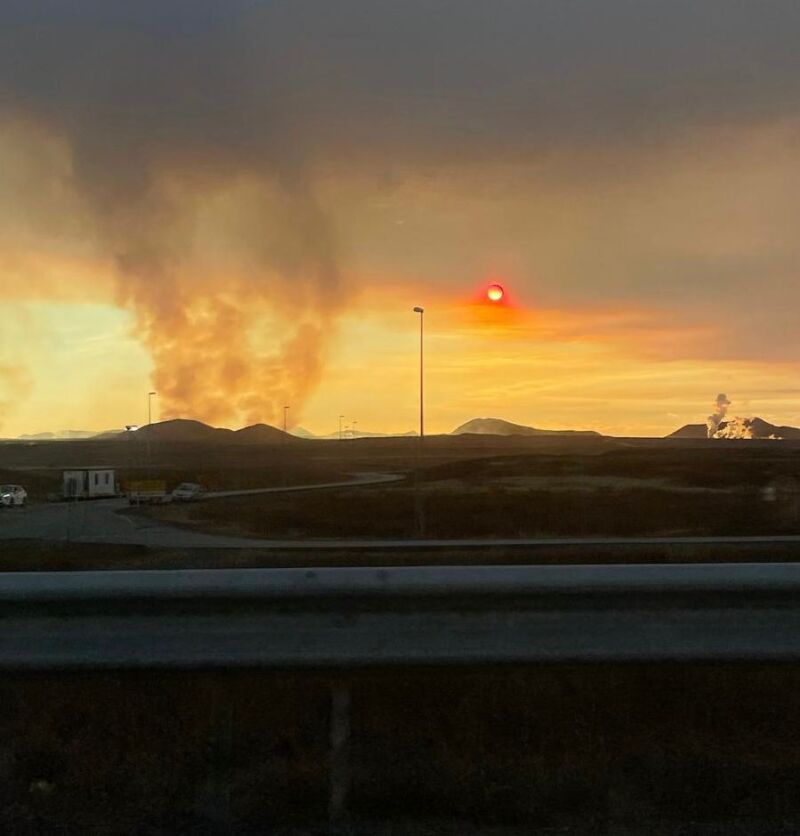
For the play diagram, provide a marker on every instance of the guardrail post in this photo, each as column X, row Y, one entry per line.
column 339, row 758
column 215, row 801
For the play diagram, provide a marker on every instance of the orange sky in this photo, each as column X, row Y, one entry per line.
column 571, row 369
column 253, row 229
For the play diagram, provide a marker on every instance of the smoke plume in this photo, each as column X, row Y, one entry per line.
column 218, row 353
column 198, row 190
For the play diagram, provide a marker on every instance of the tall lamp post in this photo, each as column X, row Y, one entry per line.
column 341, row 417
column 421, row 312
column 150, row 396
column 285, row 417
column 419, row 513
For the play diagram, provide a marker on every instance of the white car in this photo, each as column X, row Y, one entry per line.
column 12, row 495
column 188, row 492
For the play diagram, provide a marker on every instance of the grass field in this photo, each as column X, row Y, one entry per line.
column 38, row 556
column 625, row 749
column 468, row 486
column 620, row 492
column 38, row 466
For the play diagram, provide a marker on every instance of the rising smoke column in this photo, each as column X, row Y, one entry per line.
column 167, row 110
column 202, row 332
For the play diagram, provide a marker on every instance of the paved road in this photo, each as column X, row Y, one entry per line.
column 359, row 479
column 100, row 521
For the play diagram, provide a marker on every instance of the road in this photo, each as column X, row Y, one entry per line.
column 358, row 480
column 100, row 521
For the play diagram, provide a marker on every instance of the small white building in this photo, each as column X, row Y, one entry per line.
column 89, row 483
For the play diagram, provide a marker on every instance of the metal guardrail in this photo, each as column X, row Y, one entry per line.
column 354, row 617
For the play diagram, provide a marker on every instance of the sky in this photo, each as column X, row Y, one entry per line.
column 238, row 203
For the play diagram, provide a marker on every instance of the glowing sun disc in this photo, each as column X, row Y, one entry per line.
column 494, row 293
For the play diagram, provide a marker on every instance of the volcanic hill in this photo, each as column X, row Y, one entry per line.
column 497, row 426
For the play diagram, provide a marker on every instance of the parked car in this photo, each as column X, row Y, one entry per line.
column 12, row 495
column 149, row 496
column 188, row 492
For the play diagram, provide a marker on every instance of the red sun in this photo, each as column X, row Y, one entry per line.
column 495, row 292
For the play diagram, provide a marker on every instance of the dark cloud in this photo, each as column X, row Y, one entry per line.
column 258, row 79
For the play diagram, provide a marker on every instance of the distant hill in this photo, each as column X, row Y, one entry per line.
column 497, row 426
column 763, row 429
column 62, row 435
column 262, row 434
column 187, row 431
column 301, row 432
column 365, row 434
column 183, row 429
column 690, row 431
column 757, row 428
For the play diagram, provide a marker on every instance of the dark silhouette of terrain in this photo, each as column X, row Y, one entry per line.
column 498, row 426
column 759, row 427
column 185, row 430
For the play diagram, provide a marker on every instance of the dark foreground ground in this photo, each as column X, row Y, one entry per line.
column 627, row 750
column 596, row 749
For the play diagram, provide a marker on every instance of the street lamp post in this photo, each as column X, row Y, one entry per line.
column 419, row 512
column 421, row 312
column 340, row 427
column 150, row 396
column 285, row 415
